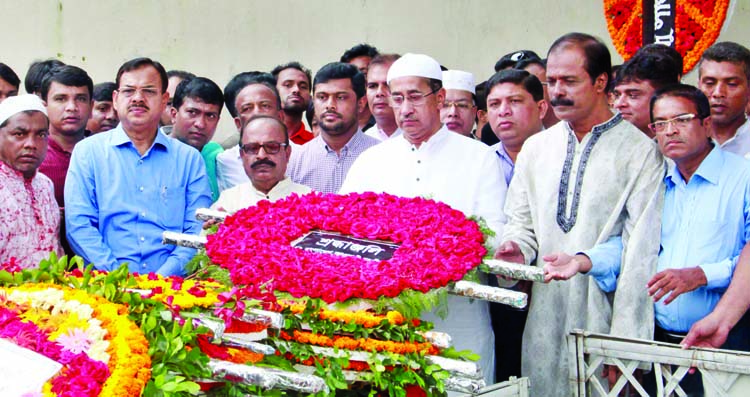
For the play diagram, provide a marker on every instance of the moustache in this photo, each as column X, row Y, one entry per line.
column 561, row 102
column 138, row 105
column 263, row 162
column 333, row 113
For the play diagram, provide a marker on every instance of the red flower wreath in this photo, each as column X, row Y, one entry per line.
column 437, row 245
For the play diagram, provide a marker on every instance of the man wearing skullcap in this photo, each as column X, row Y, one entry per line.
column 459, row 109
column 29, row 216
column 428, row 160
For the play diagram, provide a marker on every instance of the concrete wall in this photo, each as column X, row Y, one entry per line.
column 219, row 38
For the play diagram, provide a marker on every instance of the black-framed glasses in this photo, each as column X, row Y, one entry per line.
column 268, row 147
column 680, row 121
column 415, row 98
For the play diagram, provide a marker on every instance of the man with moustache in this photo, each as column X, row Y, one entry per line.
column 66, row 91
column 196, row 108
column 428, row 160
column 103, row 114
column 516, row 108
column 322, row 164
column 599, row 183
column 29, row 217
column 377, row 98
column 247, row 94
column 637, row 80
column 293, row 83
column 724, row 75
column 264, row 145
column 128, row 186
column 459, row 109
column 531, row 62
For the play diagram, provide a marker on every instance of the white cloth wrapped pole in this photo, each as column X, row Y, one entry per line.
column 493, row 294
column 183, row 240
column 206, row 214
column 267, row 378
column 513, row 270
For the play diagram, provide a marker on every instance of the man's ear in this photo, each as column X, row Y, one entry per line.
column 238, row 123
column 543, row 108
column 173, row 113
column 361, row 104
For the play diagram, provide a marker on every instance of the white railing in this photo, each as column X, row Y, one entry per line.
column 515, row 387
column 724, row 372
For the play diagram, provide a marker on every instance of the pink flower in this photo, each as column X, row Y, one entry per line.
column 75, row 341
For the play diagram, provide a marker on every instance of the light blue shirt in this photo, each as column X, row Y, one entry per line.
column 705, row 223
column 118, row 203
column 506, row 163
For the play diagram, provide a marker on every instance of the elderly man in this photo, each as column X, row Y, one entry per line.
column 724, row 76
column 429, row 160
column 248, row 94
column 570, row 206
column 103, row 114
column 459, row 109
column 29, row 217
column 322, row 164
column 128, row 186
column 293, row 83
column 265, row 151
column 377, row 98
column 196, row 108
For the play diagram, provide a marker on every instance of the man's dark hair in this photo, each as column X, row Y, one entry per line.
column 7, row 74
column 244, row 79
column 728, row 51
column 524, row 63
column 597, row 58
column 138, row 63
column 32, row 83
column 664, row 52
column 339, row 70
column 198, row 88
column 481, row 96
column 359, row 50
column 181, row 74
column 103, row 91
column 435, row 84
column 530, row 83
column 261, row 117
column 310, row 113
column 657, row 69
column 383, row 59
column 67, row 75
column 511, row 60
column 692, row 94
column 292, row 65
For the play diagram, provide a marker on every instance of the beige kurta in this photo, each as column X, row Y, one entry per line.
column 245, row 194
column 620, row 191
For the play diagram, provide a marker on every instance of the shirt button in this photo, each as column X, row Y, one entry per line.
column 143, row 214
column 419, row 161
column 140, row 188
column 143, row 239
column 413, row 149
column 140, row 161
column 417, row 179
column 143, row 266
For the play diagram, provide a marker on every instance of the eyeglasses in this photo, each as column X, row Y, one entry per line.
column 461, row 106
column 680, row 121
column 415, row 98
column 129, row 92
column 268, row 147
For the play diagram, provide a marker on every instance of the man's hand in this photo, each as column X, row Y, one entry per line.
column 708, row 332
column 509, row 251
column 612, row 374
column 561, row 266
column 676, row 281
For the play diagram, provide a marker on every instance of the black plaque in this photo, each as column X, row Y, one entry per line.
column 338, row 244
column 659, row 22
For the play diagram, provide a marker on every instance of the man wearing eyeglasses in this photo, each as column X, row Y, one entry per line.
column 459, row 109
column 265, row 152
column 428, row 160
column 127, row 186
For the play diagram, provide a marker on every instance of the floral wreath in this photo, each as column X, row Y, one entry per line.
column 697, row 26
column 438, row 245
column 103, row 353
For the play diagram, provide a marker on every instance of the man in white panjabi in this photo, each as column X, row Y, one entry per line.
column 265, row 151
column 578, row 186
column 428, row 160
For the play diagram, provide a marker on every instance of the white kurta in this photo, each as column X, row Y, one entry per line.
column 614, row 187
column 460, row 172
column 739, row 144
column 245, row 194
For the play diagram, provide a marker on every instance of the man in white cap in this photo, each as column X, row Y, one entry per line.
column 29, row 216
column 459, row 109
column 427, row 160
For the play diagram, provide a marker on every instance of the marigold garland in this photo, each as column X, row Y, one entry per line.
column 349, row 343
column 362, row 317
column 437, row 245
column 184, row 293
column 697, row 26
column 128, row 364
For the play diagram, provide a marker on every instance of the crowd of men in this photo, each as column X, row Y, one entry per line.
column 630, row 189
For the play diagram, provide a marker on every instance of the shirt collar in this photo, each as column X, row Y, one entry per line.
column 354, row 140
column 599, row 128
column 432, row 141
column 500, row 150
column 55, row 146
column 282, row 184
column 709, row 169
column 118, row 137
column 741, row 131
column 6, row 169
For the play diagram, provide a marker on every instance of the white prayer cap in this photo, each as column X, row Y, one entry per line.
column 418, row 65
column 20, row 103
column 459, row 80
